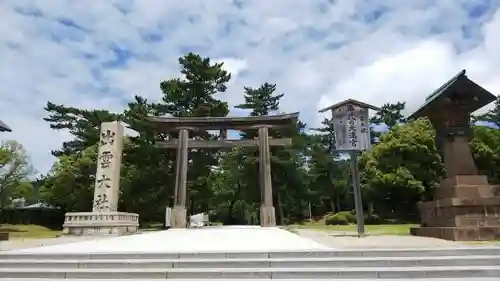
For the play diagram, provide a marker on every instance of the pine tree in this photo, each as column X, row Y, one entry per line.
column 326, row 135
column 84, row 125
column 193, row 95
column 261, row 101
column 329, row 175
column 390, row 114
column 492, row 116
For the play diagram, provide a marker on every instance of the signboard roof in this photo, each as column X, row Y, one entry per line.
column 350, row 101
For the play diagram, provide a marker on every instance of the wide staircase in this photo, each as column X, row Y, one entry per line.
column 474, row 264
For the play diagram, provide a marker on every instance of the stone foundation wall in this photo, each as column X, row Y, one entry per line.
column 458, row 233
column 462, row 215
column 466, row 208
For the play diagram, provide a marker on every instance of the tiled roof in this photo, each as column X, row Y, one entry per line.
column 460, row 80
column 4, row 127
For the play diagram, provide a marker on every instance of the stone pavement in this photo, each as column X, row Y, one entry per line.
column 227, row 238
column 247, row 253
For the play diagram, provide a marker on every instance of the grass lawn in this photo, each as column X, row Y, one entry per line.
column 152, row 226
column 28, row 231
column 383, row 229
column 494, row 242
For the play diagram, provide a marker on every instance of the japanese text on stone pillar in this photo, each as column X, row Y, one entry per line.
column 103, row 180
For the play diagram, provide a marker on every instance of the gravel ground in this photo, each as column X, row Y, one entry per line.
column 34, row 242
column 350, row 241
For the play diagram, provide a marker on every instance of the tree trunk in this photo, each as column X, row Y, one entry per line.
column 332, row 205
column 280, row 208
column 229, row 217
column 310, row 211
column 370, row 208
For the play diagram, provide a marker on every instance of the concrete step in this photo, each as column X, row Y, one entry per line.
column 488, row 260
column 263, row 279
column 476, row 251
column 258, row 273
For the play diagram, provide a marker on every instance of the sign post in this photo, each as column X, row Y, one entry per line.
column 352, row 135
column 358, row 201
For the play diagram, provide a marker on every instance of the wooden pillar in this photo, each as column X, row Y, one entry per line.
column 267, row 213
column 223, row 134
column 179, row 211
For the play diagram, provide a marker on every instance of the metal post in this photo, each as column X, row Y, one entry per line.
column 358, row 203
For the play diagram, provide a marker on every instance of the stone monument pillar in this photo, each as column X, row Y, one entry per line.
column 107, row 182
column 105, row 218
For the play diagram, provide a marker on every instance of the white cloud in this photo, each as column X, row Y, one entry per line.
column 233, row 66
column 409, row 75
column 317, row 52
column 413, row 73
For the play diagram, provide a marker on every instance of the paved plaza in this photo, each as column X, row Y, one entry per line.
column 228, row 238
column 246, row 252
column 212, row 238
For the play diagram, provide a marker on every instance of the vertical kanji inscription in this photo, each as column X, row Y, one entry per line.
column 108, row 167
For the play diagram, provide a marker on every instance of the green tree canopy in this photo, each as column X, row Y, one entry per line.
column 402, row 169
column 15, row 169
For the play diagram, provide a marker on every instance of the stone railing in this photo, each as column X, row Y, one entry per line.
column 83, row 217
column 87, row 223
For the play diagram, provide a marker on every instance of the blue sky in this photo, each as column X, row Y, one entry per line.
column 99, row 54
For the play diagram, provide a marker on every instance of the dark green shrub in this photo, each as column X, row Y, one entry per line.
column 337, row 219
column 373, row 220
column 351, row 218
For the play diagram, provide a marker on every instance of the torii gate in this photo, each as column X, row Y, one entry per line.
column 184, row 125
